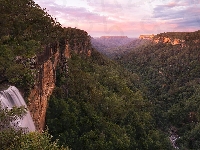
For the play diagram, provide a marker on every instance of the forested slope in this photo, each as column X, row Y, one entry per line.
column 171, row 74
column 99, row 105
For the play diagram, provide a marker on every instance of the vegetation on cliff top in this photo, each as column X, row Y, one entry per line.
column 25, row 28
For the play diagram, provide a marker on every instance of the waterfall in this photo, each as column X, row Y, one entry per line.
column 12, row 97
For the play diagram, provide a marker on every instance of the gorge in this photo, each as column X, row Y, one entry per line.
column 108, row 93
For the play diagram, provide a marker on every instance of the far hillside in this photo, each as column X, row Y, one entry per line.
column 108, row 44
column 127, row 48
column 169, row 68
column 115, row 45
column 113, row 41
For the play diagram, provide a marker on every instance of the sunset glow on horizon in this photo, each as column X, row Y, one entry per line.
column 125, row 18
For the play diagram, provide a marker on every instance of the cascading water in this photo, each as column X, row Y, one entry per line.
column 12, row 97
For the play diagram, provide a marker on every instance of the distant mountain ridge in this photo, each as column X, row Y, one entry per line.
column 113, row 37
column 115, row 45
column 113, row 41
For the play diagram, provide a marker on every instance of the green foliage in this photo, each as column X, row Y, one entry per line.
column 39, row 141
column 77, row 41
column 170, row 73
column 23, row 20
column 25, row 28
column 97, row 105
column 14, row 137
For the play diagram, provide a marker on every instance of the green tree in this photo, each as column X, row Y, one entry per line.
column 14, row 137
column 96, row 105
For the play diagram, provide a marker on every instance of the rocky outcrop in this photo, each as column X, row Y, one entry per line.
column 148, row 37
column 173, row 41
column 184, row 39
column 44, row 85
column 46, row 64
column 66, row 53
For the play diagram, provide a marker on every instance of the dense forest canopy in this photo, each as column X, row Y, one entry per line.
column 171, row 75
column 25, row 29
column 98, row 106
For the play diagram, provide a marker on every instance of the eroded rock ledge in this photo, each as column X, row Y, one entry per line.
column 44, row 85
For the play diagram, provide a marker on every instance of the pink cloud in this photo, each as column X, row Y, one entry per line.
column 172, row 4
column 73, row 13
column 123, row 18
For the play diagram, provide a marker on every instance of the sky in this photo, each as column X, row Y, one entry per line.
column 125, row 17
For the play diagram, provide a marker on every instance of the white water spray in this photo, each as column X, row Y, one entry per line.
column 12, row 97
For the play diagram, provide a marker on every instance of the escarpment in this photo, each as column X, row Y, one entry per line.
column 183, row 39
column 54, row 55
column 44, row 85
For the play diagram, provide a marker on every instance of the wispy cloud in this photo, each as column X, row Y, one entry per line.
column 126, row 17
column 181, row 13
column 74, row 13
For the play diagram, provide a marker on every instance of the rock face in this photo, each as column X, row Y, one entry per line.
column 148, row 37
column 54, row 56
column 46, row 65
column 44, row 85
column 162, row 39
column 173, row 41
column 184, row 39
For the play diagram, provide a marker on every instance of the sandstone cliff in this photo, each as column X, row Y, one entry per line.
column 173, row 41
column 44, row 85
column 45, row 82
column 183, row 39
column 149, row 37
